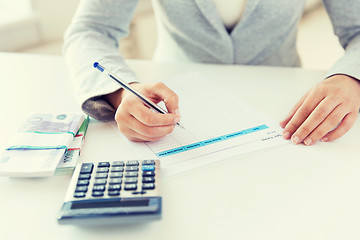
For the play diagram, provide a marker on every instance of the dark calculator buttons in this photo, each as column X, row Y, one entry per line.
column 86, row 168
column 148, row 186
column 116, row 175
column 148, row 179
column 103, row 164
column 79, row 194
column 129, row 187
column 114, row 187
column 130, row 180
column 148, row 162
column 85, row 176
column 117, row 169
column 102, row 170
column 82, row 182
column 131, row 174
column 97, row 193
column 101, row 175
column 131, row 169
column 114, row 193
column 118, row 164
column 100, row 188
column 142, row 192
column 132, row 163
column 100, row 181
column 81, row 189
column 110, row 178
column 148, row 174
column 115, row 181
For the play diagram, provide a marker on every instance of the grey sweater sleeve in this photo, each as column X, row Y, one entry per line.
column 345, row 18
column 93, row 36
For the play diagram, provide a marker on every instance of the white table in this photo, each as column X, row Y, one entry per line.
column 287, row 192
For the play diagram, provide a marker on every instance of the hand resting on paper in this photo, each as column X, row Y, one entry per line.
column 325, row 113
column 139, row 123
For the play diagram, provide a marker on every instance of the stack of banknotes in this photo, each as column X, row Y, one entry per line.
column 42, row 144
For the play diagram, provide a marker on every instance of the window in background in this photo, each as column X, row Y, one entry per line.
column 13, row 11
column 18, row 25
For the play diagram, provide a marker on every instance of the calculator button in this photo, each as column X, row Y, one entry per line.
column 86, row 168
column 116, row 175
column 114, row 193
column 148, row 186
column 98, row 188
column 130, row 180
column 118, row 164
column 117, row 169
column 148, row 167
column 131, row 174
column 100, row 181
column 103, row 164
column 81, row 189
column 148, row 179
column 148, row 174
column 85, row 176
column 132, row 163
column 101, row 175
column 142, row 192
column 115, row 181
column 114, row 187
column 131, row 169
column 79, row 194
column 148, row 162
column 130, row 187
column 84, row 182
column 97, row 194
column 102, row 170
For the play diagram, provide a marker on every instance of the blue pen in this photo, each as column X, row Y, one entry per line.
column 125, row 85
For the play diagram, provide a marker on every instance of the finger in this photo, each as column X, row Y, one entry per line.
column 160, row 92
column 136, row 137
column 328, row 124
column 346, row 124
column 301, row 114
column 326, row 108
column 151, row 118
column 150, row 131
column 292, row 111
column 127, row 121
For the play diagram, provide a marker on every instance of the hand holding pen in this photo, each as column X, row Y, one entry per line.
column 138, row 116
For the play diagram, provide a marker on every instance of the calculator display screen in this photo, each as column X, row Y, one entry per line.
column 111, row 204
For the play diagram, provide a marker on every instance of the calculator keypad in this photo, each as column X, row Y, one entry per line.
column 117, row 178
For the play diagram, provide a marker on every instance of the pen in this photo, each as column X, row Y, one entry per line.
column 125, row 85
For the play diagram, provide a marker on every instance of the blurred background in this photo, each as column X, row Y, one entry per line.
column 37, row 26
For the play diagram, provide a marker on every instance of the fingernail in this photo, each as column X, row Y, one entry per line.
column 295, row 139
column 286, row 135
column 324, row 139
column 176, row 120
column 308, row 141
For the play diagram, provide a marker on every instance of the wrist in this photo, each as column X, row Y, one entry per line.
column 114, row 98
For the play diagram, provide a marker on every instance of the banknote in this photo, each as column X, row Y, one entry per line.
column 40, row 144
column 53, row 123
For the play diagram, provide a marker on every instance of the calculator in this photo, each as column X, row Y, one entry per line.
column 113, row 193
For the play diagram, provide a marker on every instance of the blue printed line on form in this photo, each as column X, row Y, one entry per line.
column 210, row 141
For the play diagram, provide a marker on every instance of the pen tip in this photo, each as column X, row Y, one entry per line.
column 180, row 125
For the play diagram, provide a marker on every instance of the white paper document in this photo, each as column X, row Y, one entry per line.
column 217, row 125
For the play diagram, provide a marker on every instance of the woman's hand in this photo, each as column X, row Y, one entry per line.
column 325, row 113
column 139, row 123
